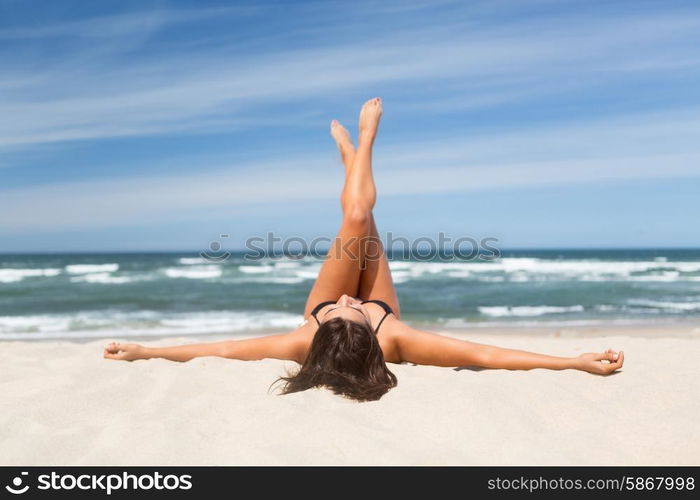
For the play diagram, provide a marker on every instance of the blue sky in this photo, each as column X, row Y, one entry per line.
column 160, row 125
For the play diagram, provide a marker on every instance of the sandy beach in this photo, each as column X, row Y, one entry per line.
column 62, row 404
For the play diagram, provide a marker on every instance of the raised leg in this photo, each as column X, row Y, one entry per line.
column 375, row 279
column 341, row 270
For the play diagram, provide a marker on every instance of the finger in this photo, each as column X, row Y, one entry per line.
column 617, row 364
column 608, row 356
column 620, row 359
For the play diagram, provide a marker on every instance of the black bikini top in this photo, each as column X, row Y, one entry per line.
column 381, row 303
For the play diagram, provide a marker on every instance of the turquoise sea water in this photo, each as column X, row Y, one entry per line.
column 120, row 295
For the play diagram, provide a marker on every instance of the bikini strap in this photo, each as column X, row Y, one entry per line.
column 380, row 303
column 376, row 330
column 383, row 305
column 318, row 307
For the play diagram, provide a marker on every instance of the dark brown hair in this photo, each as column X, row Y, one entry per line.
column 346, row 358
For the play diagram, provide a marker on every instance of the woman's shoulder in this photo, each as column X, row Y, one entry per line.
column 307, row 327
column 395, row 328
column 391, row 326
column 389, row 336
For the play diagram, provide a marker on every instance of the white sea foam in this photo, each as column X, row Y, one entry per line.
column 9, row 275
column 559, row 323
column 222, row 322
column 518, row 269
column 523, row 266
column 287, row 264
column 106, row 278
column 503, row 311
column 399, row 265
column 400, row 276
column 673, row 306
column 522, row 269
column 684, row 267
column 193, row 261
column 665, row 276
column 91, row 268
column 194, row 272
column 307, row 275
column 35, row 323
column 607, row 308
column 493, row 279
column 275, row 280
column 77, row 322
column 108, row 323
column 255, row 269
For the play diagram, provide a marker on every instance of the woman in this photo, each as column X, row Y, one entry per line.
column 353, row 324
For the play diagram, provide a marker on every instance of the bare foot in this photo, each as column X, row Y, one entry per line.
column 369, row 120
column 343, row 141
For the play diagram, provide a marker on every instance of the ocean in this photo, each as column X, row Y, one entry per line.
column 172, row 294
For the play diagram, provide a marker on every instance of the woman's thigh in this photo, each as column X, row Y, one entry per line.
column 376, row 282
column 342, row 267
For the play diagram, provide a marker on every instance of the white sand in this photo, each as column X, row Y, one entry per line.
column 61, row 403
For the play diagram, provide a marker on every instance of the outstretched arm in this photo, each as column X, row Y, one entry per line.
column 290, row 346
column 426, row 348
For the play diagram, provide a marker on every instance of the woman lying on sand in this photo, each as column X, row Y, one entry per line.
column 353, row 324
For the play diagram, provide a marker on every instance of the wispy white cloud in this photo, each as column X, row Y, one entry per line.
column 630, row 135
column 635, row 147
column 105, row 204
column 119, row 25
column 484, row 67
column 608, row 88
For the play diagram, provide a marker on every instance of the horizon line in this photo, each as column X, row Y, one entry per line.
column 240, row 251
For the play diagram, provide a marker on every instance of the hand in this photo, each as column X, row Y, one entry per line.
column 124, row 352
column 592, row 362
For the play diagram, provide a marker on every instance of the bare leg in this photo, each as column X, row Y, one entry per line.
column 359, row 188
column 340, row 273
column 375, row 279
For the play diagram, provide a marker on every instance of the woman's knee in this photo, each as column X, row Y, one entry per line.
column 357, row 215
